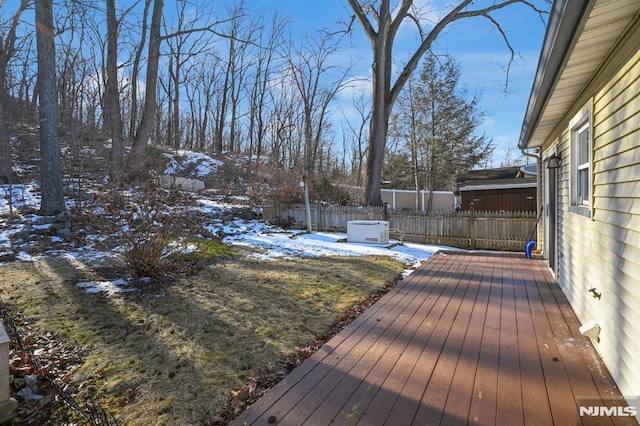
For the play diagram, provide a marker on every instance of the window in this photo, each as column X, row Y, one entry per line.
column 583, row 165
column 581, row 180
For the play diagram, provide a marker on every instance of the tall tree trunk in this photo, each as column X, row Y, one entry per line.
column 432, row 149
column 137, row 158
column 222, row 105
column 6, row 165
column 6, row 53
column 309, row 152
column 52, row 201
column 176, row 132
column 112, row 95
column 380, row 110
column 133, row 119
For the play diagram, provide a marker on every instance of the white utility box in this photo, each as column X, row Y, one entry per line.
column 368, row 231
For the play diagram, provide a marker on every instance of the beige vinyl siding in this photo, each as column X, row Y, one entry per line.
column 603, row 251
column 567, row 231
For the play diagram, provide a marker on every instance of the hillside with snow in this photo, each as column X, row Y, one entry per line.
column 26, row 236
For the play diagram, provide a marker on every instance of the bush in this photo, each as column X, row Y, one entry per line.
column 146, row 257
column 285, row 186
column 153, row 224
column 332, row 193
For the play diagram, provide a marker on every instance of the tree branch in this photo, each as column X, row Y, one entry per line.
column 402, row 13
column 485, row 13
column 345, row 31
column 416, row 21
column 362, row 17
column 506, row 41
column 424, row 46
column 457, row 13
column 10, row 42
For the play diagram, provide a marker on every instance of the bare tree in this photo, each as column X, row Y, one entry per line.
column 182, row 49
column 135, row 71
column 203, row 76
column 149, row 121
column 359, row 150
column 52, row 201
column 405, row 126
column 7, row 50
column 113, row 115
column 137, row 157
column 73, row 66
column 308, row 66
column 25, row 75
column 262, row 78
column 381, row 25
column 112, row 106
column 284, row 140
column 236, row 95
column 95, row 51
column 234, row 52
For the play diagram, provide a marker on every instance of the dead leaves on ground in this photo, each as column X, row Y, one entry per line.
column 48, row 358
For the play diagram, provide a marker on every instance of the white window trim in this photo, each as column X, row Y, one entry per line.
column 581, row 121
column 582, row 166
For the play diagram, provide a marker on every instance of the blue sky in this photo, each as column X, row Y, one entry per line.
column 476, row 45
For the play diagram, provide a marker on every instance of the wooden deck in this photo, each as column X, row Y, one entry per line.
column 468, row 338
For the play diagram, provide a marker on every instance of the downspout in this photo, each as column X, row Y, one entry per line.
column 538, row 159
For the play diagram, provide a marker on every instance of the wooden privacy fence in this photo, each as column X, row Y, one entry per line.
column 467, row 229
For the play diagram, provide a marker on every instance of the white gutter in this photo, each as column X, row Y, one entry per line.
column 497, row 186
column 538, row 159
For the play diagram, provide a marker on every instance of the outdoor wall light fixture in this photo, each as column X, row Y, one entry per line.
column 554, row 161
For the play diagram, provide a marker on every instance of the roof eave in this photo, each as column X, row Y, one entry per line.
column 559, row 41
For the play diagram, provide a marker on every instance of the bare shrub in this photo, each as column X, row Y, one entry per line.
column 285, row 186
column 331, row 193
column 146, row 254
column 151, row 225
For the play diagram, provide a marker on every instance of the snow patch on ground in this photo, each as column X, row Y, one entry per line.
column 275, row 243
column 120, row 285
column 269, row 241
column 193, row 164
column 15, row 197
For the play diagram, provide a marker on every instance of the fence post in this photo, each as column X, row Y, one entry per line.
column 7, row 404
column 385, row 212
column 472, row 226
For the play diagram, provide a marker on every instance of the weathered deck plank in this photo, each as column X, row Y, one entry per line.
column 534, row 395
column 479, row 338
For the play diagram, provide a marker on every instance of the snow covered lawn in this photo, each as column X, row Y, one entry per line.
column 267, row 242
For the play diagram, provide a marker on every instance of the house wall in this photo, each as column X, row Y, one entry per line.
column 602, row 250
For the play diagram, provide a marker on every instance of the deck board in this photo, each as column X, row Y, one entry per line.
column 534, row 395
column 441, row 383
column 484, row 395
column 470, row 338
column 509, row 411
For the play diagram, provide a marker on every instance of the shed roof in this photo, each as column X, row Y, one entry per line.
column 484, row 174
column 498, row 178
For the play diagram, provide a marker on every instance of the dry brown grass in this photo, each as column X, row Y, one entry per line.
column 172, row 354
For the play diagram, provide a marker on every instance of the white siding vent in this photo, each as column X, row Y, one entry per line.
column 368, row 231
